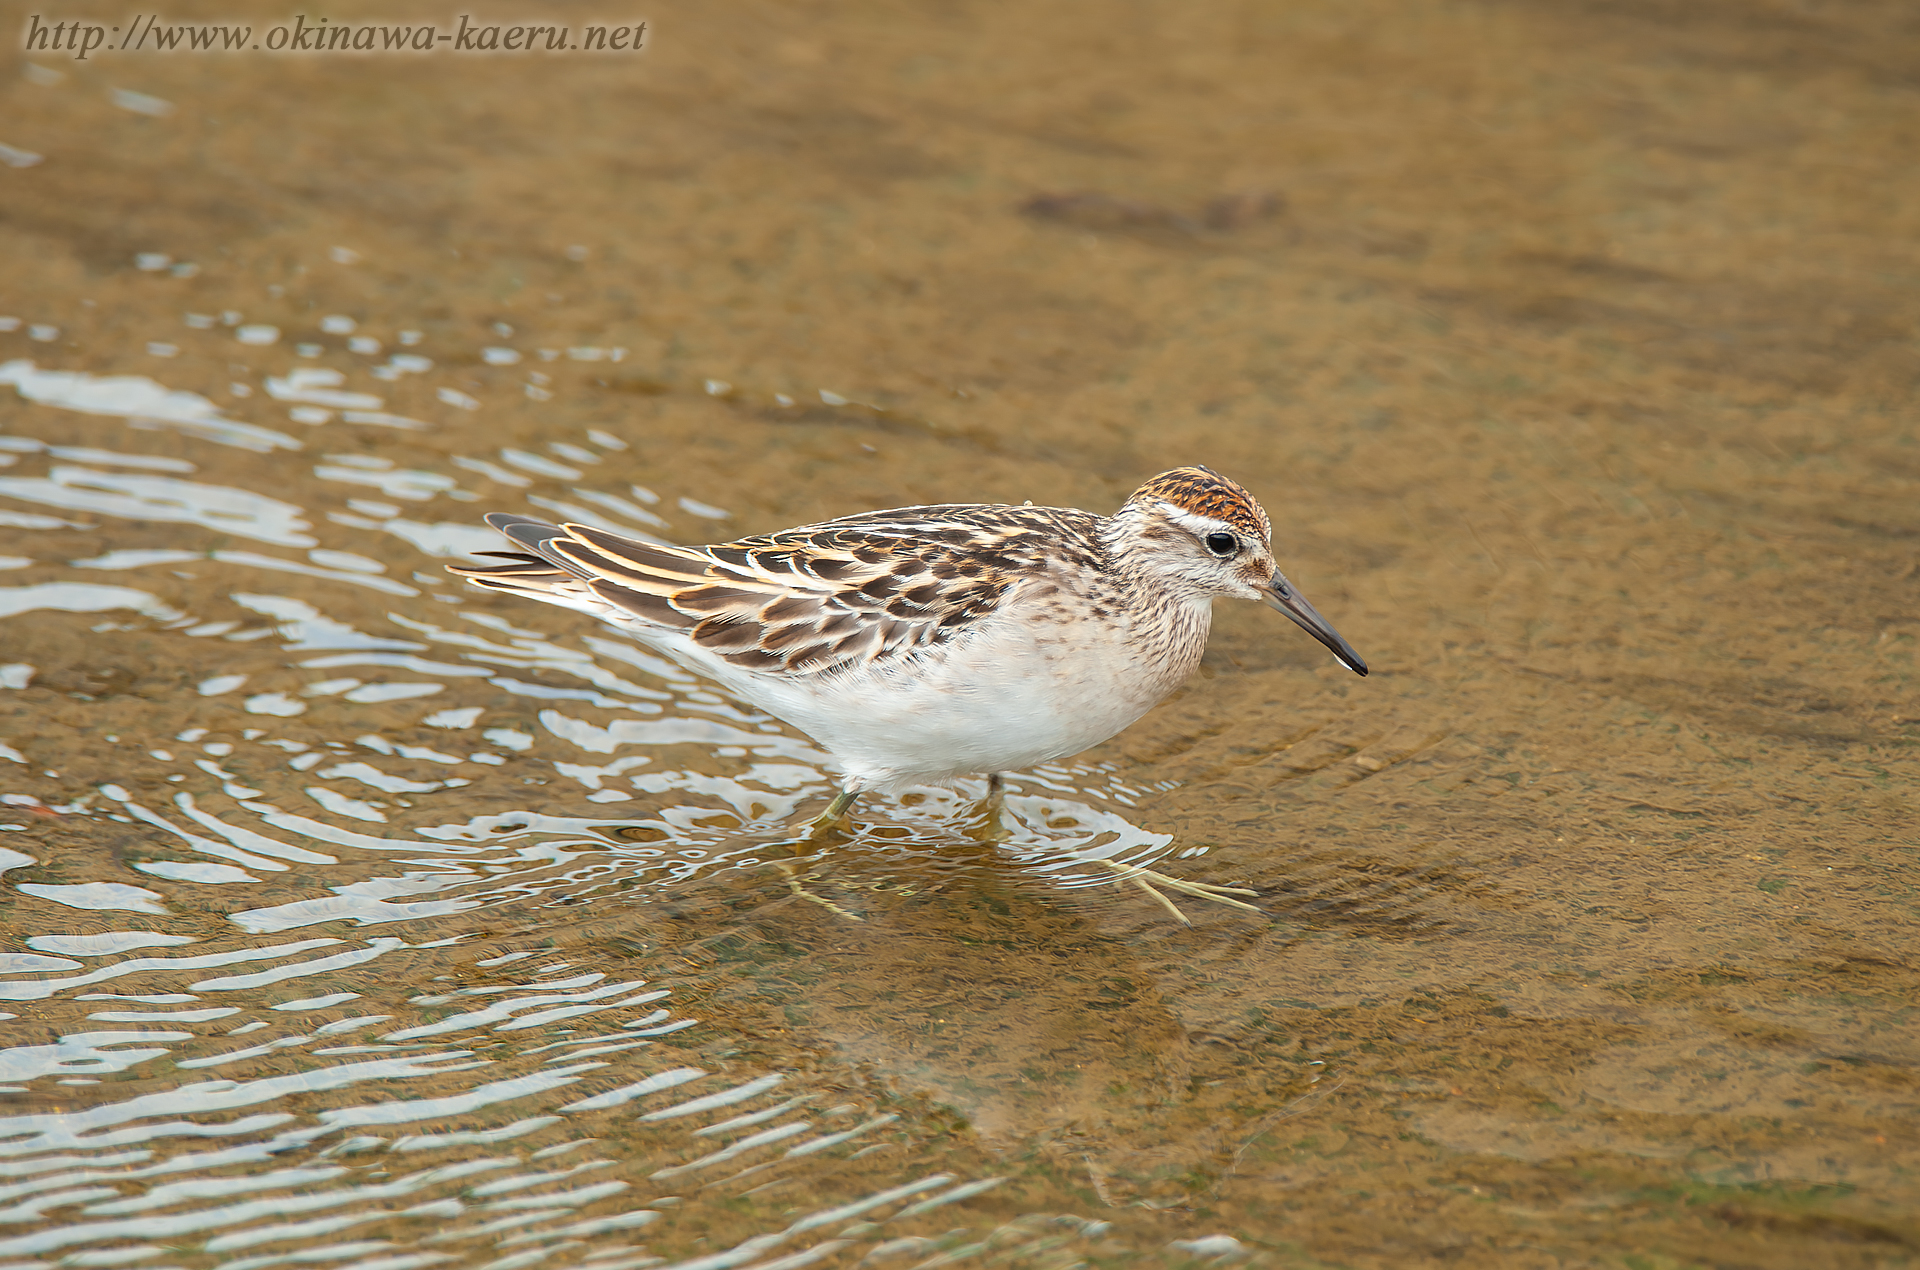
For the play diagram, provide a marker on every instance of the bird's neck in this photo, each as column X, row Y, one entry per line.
column 1170, row 616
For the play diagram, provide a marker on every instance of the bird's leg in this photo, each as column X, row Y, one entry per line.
column 830, row 818
column 816, row 829
column 1145, row 879
column 985, row 816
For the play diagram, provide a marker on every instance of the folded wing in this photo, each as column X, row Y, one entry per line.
column 807, row 600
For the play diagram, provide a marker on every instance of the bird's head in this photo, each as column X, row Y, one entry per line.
column 1199, row 531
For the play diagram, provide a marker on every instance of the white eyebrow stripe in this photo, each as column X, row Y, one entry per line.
column 1198, row 525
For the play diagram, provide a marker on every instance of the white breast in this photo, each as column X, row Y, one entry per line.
column 1003, row 696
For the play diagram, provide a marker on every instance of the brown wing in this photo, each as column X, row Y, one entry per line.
column 804, row 600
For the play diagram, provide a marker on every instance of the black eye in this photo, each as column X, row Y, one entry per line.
column 1222, row 545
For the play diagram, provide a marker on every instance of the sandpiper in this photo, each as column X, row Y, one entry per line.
column 923, row 644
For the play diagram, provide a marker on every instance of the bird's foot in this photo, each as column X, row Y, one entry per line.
column 987, row 831
column 793, row 884
column 817, row 832
column 1145, row 879
column 984, row 822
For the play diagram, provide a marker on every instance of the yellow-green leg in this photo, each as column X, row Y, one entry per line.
column 817, row 828
column 835, row 813
column 984, row 819
column 1145, row 879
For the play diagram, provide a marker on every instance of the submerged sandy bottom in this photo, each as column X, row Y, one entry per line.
column 356, row 919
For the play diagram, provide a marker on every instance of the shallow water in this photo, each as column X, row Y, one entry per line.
column 354, row 918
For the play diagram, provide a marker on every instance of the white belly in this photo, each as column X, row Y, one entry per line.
column 1001, row 697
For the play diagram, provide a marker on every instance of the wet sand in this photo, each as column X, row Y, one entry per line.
column 1572, row 350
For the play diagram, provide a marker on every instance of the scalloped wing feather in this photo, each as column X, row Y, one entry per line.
column 859, row 590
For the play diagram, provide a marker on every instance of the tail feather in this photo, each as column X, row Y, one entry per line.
column 536, row 536
column 559, row 558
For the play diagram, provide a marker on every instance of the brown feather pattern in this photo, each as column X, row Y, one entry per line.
column 820, row 597
column 1205, row 491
